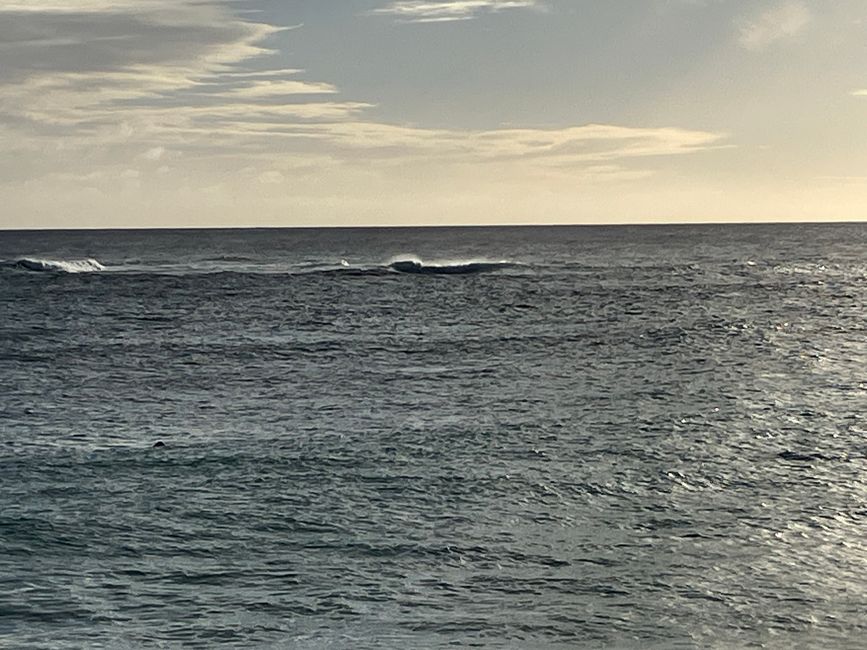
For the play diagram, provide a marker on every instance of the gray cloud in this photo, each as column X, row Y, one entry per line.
column 193, row 38
column 87, row 71
column 105, row 43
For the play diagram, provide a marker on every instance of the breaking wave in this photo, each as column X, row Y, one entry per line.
column 405, row 264
column 450, row 267
column 55, row 266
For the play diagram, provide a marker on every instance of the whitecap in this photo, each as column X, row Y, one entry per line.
column 59, row 266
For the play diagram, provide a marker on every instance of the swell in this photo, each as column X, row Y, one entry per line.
column 450, row 267
column 38, row 265
column 402, row 265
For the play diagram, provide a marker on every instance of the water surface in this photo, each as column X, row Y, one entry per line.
column 589, row 437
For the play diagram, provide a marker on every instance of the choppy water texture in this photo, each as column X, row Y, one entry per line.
column 524, row 438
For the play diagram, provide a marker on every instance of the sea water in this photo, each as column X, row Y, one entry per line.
column 637, row 437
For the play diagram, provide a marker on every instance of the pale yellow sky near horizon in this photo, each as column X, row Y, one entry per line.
column 175, row 113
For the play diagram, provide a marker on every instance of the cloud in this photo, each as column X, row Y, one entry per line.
column 59, row 6
column 781, row 22
column 281, row 88
column 271, row 177
column 154, row 153
column 105, row 72
column 118, row 78
column 173, row 41
column 424, row 11
column 178, row 96
column 587, row 144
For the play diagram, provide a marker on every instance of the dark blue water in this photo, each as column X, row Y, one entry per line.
column 524, row 438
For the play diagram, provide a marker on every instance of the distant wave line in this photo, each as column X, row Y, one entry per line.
column 398, row 265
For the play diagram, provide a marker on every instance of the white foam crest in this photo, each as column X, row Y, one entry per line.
column 60, row 266
column 413, row 264
column 443, row 262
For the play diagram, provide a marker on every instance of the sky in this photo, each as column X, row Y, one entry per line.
column 201, row 113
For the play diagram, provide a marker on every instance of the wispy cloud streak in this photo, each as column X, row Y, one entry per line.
column 781, row 22
column 422, row 11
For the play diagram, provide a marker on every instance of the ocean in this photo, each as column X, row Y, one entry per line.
column 576, row 437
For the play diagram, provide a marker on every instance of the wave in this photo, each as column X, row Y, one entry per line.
column 451, row 267
column 55, row 266
column 230, row 258
column 234, row 266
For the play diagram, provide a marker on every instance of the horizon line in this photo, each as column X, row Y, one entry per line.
column 623, row 224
